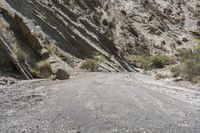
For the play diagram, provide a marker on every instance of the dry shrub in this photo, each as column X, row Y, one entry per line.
column 43, row 69
column 178, row 70
column 90, row 65
column 190, row 59
column 21, row 56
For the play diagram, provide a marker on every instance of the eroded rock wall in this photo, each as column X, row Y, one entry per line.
column 63, row 33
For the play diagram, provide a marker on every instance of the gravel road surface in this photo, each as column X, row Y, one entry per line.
column 99, row 103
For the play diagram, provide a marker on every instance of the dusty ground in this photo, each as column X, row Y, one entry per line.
column 100, row 103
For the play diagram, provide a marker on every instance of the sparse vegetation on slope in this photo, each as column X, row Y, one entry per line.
column 190, row 64
column 21, row 56
column 150, row 62
column 90, row 65
column 42, row 69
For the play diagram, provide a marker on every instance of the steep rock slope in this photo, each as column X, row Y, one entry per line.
column 160, row 26
column 63, row 33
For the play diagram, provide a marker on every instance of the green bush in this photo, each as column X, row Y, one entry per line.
column 159, row 61
column 90, row 65
column 142, row 62
column 149, row 62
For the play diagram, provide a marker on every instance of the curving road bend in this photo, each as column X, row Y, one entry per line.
column 108, row 103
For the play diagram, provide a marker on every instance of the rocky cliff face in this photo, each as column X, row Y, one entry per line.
column 61, row 34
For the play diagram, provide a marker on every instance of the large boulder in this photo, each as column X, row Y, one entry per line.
column 61, row 74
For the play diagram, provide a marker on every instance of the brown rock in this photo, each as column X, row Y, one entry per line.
column 61, row 74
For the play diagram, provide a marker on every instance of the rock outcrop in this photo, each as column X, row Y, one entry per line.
column 60, row 34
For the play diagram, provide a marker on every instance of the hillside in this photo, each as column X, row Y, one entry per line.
column 42, row 38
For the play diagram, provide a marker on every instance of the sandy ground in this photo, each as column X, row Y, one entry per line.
column 100, row 103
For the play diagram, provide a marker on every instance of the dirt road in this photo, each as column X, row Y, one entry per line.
column 100, row 103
